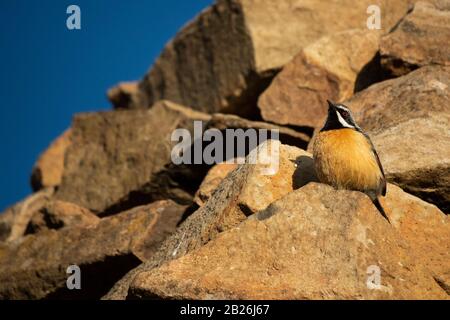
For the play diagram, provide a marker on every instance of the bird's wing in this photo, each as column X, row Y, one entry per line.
column 383, row 180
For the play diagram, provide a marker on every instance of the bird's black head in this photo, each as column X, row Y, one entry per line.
column 339, row 117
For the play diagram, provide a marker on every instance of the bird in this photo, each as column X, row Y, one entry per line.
column 345, row 157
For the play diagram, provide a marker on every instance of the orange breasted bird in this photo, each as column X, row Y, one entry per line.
column 345, row 158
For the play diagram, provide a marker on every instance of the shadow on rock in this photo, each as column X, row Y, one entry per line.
column 304, row 173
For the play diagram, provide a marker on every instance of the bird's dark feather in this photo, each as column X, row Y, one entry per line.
column 383, row 181
column 378, row 205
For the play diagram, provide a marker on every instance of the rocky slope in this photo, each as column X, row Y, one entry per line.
column 109, row 198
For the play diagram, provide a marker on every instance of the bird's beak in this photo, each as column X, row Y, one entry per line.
column 331, row 105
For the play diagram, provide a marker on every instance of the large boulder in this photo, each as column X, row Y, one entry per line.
column 332, row 68
column 246, row 190
column 408, row 119
column 424, row 227
column 416, row 156
column 34, row 267
column 315, row 243
column 223, row 59
column 419, row 39
column 415, row 95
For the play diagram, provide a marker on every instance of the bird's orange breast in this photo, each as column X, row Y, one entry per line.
column 344, row 159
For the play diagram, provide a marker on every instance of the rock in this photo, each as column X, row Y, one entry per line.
column 223, row 59
column 408, row 121
column 59, row 214
column 48, row 170
column 123, row 95
column 128, row 154
column 246, row 190
column 424, row 227
column 212, row 180
column 331, row 68
column 329, row 247
column 40, row 212
column 416, row 95
column 418, row 40
column 35, row 267
column 425, row 144
column 14, row 221
column 170, row 215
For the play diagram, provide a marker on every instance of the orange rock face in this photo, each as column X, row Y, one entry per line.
column 417, row 40
column 331, row 68
column 315, row 243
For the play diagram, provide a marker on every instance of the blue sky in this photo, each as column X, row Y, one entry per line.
column 48, row 73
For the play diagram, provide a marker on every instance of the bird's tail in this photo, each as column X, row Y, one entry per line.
column 377, row 204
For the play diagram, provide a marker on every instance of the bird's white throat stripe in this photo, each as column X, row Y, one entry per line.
column 338, row 106
column 342, row 121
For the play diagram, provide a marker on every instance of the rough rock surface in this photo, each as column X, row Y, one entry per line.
column 321, row 249
column 424, row 227
column 419, row 39
column 419, row 163
column 415, row 95
column 408, row 119
column 14, row 221
column 212, row 180
column 331, row 68
column 48, row 170
column 246, row 190
column 224, row 58
column 57, row 214
column 35, row 266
